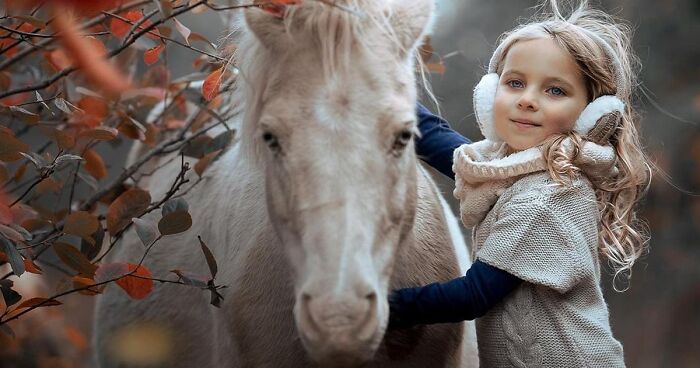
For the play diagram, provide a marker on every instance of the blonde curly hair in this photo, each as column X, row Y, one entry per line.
column 600, row 45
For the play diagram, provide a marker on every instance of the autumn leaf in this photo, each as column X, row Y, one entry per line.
column 81, row 223
column 151, row 55
column 101, row 133
column 94, row 164
column 86, row 56
column 135, row 287
column 131, row 203
column 10, row 147
column 212, row 84
column 72, row 257
column 175, row 223
column 119, row 27
column 31, row 267
column 204, row 162
column 35, row 302
column 184, row 31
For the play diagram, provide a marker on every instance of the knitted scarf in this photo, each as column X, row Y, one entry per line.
column 483, row 171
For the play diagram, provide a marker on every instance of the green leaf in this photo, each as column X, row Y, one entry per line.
column 146, row 230
column 175, row 222
column 211, row 261
column 13, row 255
column 74, row 259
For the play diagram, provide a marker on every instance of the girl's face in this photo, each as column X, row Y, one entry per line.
column 541, row 92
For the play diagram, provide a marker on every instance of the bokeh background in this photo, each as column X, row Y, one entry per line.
column 658, row 318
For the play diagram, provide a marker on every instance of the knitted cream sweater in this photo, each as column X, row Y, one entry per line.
column 547, row 235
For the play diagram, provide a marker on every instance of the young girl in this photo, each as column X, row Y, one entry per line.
column 550, row 190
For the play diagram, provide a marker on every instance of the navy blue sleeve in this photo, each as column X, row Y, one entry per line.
column 463, row 298
column 437, row 142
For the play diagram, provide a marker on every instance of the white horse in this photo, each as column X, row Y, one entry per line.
column 317, row 212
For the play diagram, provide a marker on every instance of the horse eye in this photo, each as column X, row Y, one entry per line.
column 271, row 141
column 402, row 140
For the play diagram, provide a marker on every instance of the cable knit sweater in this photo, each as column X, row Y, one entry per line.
column 546, row 235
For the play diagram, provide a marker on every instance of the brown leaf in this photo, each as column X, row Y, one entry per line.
column 131, row 203
column 10, row 147
column 74, row 259
column 33, row 302
column 101, row 133
column 184, row 31
column 136, row 287
column 94, row 164
column 95, row 111
column 175, row 222
column 204, row 162
column 81, row 223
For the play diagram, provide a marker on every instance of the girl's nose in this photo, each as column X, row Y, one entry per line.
column 527, row 101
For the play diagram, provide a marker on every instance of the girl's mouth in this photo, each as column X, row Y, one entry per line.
column 524, row 123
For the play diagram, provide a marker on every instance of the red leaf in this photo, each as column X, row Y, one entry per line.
column 119, row 27
column 151, row 55
column 137, row 288
column 212, row 84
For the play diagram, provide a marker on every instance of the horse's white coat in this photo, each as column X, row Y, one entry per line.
column 311, row 232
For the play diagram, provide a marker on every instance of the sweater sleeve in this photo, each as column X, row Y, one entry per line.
column 463, row 298
column 437, row 142
column 549, row 244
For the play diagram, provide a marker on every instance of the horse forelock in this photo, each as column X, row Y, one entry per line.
column 337, row 33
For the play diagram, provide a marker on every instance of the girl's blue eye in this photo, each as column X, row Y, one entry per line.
column 515, row 83
column 556, row 91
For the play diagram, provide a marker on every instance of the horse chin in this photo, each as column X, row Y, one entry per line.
column 341, row 351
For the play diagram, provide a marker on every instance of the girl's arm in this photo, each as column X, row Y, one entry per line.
column 437, row 142
column 463, row 298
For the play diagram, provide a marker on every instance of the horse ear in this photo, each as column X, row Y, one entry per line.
column 411, row 20
column 267, row 27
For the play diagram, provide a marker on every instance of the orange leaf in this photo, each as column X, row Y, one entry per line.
column 95, row 110
column 30, row 266
column 212, row 84
column 36, row 301
column 136, row 287
column 90, row 59
column 94, row 164
column 151, row 55
column 131, row 203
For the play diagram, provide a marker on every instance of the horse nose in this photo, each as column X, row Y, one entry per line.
column 341, row 318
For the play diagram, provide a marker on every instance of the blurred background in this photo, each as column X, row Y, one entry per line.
column 658, row 318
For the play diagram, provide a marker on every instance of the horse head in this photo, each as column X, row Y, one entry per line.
column 331, row 124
